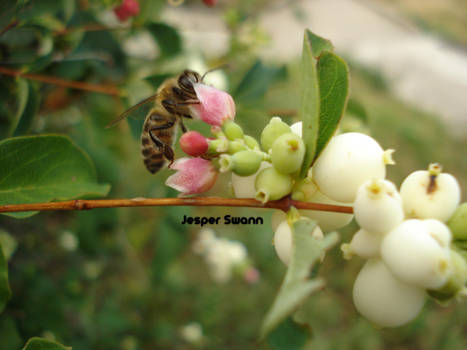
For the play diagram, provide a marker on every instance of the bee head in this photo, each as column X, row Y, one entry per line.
column 186, row 81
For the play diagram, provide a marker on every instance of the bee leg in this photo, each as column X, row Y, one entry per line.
column 166, row 149
column 182, row 126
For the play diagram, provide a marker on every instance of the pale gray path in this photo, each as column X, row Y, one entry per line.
column 421, row 70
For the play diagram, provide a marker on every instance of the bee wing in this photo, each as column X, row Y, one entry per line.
column 130, row 110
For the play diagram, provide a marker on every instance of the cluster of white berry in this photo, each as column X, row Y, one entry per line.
column 224, row 257
column 403, row 235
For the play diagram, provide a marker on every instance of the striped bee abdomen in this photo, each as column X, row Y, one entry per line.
column 157, row 139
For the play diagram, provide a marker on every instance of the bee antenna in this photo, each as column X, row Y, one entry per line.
column 221, row 66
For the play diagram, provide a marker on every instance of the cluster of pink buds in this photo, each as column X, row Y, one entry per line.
column 127, row 9
column 198, row 174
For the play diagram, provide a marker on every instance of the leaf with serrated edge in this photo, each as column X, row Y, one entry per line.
column 306, row 250
column 333, row 74
column 44, row 344
column 43, row 168
column 5, row 292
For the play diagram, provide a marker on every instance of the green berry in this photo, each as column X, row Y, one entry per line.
column 246, row 163
column 458, row 222
column 271, row 185
column 236, row 146
column 272, row 131
column 251, row 142
column 232, row 130
column 287, row 153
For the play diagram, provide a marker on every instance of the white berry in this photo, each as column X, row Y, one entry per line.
column 414, row 256
column 363, row 244
column 244, row 186
column 327, row 220
column 346, row 163
column 378, row 206
column 283, row 240
column 383, row 299
column 296, row 128
column 430, row 194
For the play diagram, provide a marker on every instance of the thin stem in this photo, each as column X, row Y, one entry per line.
column 81, row 204
column 11, row 25
column 104, row 89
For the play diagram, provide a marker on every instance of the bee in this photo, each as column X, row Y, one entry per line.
column 171, row 104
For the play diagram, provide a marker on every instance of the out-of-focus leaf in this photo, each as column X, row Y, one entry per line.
column 36, row 8
column 357, row 110
column 333, row 75
column 22, row 93
column 26, row 118
column 289, row 335
column 9, row 334
column 157, row 79
column 45, row 168
column 44, row 344
column 167, row 37
column 5, row 292
column 306, row 251
column 308, row 111
column 256, row 82
column 7, row 12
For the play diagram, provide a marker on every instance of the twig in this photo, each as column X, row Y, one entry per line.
column 11, row 25
column 82, row 204
column 104, row 89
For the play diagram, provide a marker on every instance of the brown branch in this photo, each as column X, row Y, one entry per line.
column 11, row 25
column 104, row 89
column 82, row 204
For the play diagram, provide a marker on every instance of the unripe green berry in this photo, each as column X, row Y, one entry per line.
column 271, row 185
column 456, row 282
column 287, row 153
column 458, row 222
column 217, row 146
column 272, row 131
column 236, row 146
column 232, row 130
column 251, row 142
column 246, row 163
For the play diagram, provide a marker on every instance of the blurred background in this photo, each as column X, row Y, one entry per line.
column 134, row 278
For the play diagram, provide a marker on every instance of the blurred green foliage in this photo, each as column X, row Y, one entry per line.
column 132, row 281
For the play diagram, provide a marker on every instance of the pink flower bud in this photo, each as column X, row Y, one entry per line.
column 127, row 9
column 194, row 175
column 210, row 3
column 193, row 143
column 216, row 106
column 251, row 275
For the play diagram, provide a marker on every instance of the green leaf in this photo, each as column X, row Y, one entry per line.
column 317, row 43
column 167, row 37
column 44, row 344
column 7, row 12
column 28, row 104
column 308, row 111
column 333, row 75
column 5, row 292
column 289, row 335
column 44, row 168
column 256, row 82
column 306, row 251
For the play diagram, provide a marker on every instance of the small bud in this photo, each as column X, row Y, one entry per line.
column 194, row 175
column 217, row 146
column 127, row 9
column 458, row 222
column 251, row 142
column 287, row 153
column 430, row 194
column 193, row 143
column 271, row 185
column 304, row 190
column 236, row 146
column 210, row 3
column 244, row 186
column 363, row 244
column 215, row 106
column 246, row 163
column 272, row 131
column 232, row 130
